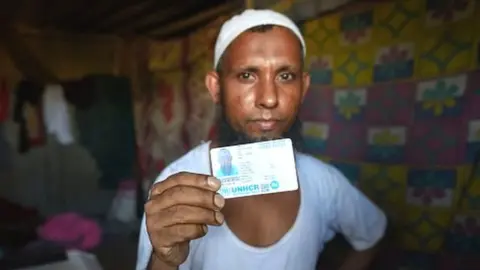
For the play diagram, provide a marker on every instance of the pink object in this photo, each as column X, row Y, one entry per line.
column 72, row 231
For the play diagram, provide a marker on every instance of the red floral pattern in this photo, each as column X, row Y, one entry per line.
column 394, row 55
column 446, row 13
column 470, row 227
column 429, row 194
column 353, row 36
column 319, row 64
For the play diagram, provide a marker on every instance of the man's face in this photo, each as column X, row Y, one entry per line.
column 261, row 84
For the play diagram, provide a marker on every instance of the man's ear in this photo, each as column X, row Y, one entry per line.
column 306, row 84
column 212, row 82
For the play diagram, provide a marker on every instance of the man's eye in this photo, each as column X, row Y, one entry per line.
column 286, row 76
column 245, row 75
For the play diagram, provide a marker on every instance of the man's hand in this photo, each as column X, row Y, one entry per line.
column 179, row 210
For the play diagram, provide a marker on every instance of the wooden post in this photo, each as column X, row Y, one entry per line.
column 249, row 4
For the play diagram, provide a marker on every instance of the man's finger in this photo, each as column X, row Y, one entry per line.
column 184, row 195
column 186, row 179
column 181, row 233
column 183, row 214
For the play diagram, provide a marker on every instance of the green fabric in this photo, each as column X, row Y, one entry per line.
column 106, row 129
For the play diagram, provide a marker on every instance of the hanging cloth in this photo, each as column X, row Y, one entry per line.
column 27, row 94
column 106, row 129
column 56, row 115
column 4, row 101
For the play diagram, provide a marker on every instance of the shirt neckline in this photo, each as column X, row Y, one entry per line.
column 285, row 238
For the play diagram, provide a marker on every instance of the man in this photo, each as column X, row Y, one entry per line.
column 259, row 82
column 226, row 166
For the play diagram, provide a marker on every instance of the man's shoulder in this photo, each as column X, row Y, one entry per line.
column 313, row 164
column 193, row 161
column 319, row 172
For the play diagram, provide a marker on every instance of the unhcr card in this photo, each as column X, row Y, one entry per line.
column 255, row 168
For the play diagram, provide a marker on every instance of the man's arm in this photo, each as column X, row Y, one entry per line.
column 156, row 264
column 339, row 254
column 360, row 260
column 146, row 259
column 359, row 220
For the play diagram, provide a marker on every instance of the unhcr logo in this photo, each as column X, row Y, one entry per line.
column 245, row 189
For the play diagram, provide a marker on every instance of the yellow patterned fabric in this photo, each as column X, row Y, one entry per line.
column 396, row 84
column 438, row 48
column 385, row 184
column 424, row 230
column 166, row 55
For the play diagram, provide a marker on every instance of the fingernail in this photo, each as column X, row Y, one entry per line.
column 219, row 200
column 213, row 182
column 205, row 228
column 219, row 217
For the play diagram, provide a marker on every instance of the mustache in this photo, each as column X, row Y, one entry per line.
column 263, row 116
column 266, row 115
column 227, row 135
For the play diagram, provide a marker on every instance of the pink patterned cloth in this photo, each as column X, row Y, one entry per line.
column 72, row 231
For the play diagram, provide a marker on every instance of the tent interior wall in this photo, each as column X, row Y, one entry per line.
column 24, row 184
column 155, row 44
column 163, row 48
column 55, row 42
column 43, row 49
column 52, row 178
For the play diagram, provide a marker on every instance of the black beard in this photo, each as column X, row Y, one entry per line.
column 228, row 136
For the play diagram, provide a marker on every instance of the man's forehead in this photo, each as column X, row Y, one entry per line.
column 278, row 44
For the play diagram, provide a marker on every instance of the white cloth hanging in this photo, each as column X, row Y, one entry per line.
column 55, row 114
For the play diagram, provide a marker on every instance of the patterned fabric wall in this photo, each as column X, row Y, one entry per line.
column 179, row 113
column 395, row 105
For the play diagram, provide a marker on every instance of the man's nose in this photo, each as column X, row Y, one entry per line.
column 267, row 93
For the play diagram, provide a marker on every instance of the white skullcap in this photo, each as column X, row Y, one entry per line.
column 238, row 24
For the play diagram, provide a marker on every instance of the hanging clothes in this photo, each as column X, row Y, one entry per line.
column 35, row 126
column 106, row 129
column 55, row 114
column 6, row 155
column 28, row 93
column 79, row 93
column 4, row 101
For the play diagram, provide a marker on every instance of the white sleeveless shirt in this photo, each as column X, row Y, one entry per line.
column 329, row 204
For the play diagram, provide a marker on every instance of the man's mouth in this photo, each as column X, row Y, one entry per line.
column 266, row 125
